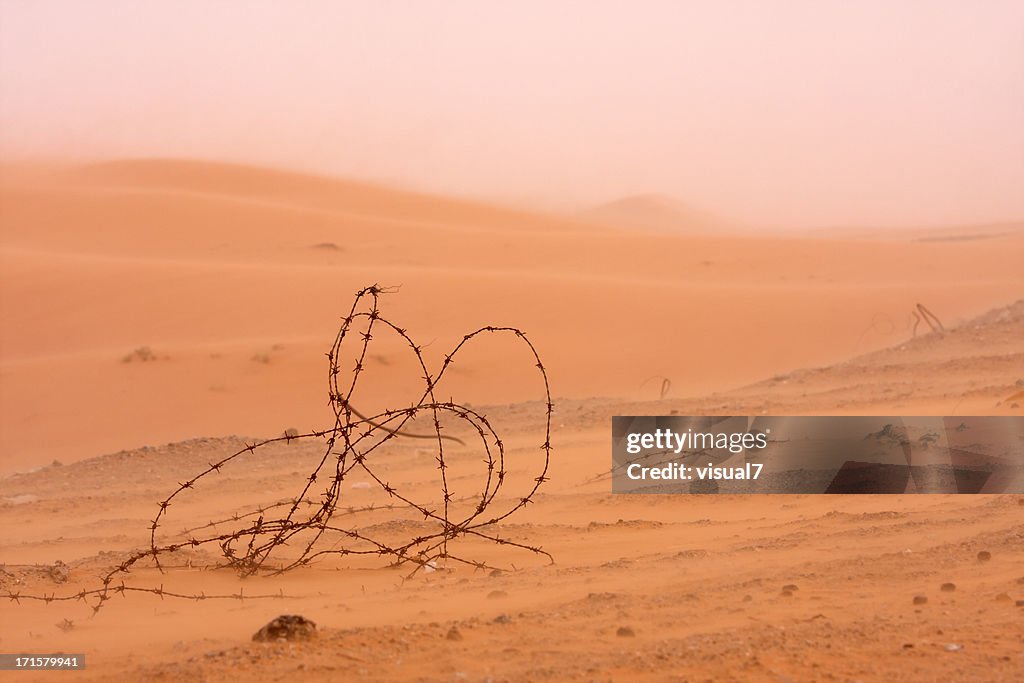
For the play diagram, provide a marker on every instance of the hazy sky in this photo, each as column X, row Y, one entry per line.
column 773, row 111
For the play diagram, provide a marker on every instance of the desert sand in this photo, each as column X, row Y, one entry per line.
column 161, row 314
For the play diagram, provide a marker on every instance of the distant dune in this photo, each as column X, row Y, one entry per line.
column 653, row 212
column 299, row 190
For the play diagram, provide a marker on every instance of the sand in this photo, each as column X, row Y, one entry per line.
column 234, row 278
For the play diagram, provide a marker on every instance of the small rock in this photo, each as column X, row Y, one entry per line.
column 1019, row 603
column 286, row 627
column 454, row 633
column 497, row 594
column 495, row 573
column 984, row 556
column 953, row 647
column 625, row 632
column 291, row 433
column 790, row 587
column 908, row 646
column 1003, row 597
column 503, row 619
column 787, row 594
column 748, row 598
column 947, row 587
column 60, row 572
column 920, row 599
column 143, row 354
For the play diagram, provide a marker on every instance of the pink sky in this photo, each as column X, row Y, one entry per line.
column 777, row 112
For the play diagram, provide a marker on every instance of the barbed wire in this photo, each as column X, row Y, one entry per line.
column 349, row 443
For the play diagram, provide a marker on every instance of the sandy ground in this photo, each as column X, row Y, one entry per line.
column 234, row 278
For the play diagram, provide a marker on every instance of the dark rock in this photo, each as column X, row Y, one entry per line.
column 286, row 627
column 947, row 587
column 497, row 594
column 790, row 587
column 60, row 572
column 984, row 556
column 503, row 619
column 625, row 632
column 920, row 599
column 454, row 633
column 1003, row 597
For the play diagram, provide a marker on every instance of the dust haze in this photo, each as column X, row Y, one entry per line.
column 793, row 114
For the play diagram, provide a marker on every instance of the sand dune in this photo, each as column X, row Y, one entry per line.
column 213, row 265
column 657, row 213
column 156, row 301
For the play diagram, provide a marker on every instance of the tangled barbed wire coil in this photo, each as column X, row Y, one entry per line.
column 316, row 510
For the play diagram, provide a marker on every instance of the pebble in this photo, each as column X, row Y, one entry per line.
column 1020, row 603
column 948, row 587
column 1003, row 597
column 503, row 619
column 920, row 599
column 286, row 627
column 454, row 633
column 497, row 594
column 625, row 632
column 984, row 556
column 790, row 587
column 954, row 647
column 60, row 572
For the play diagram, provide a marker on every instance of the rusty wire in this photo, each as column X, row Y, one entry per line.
column 349, row 444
